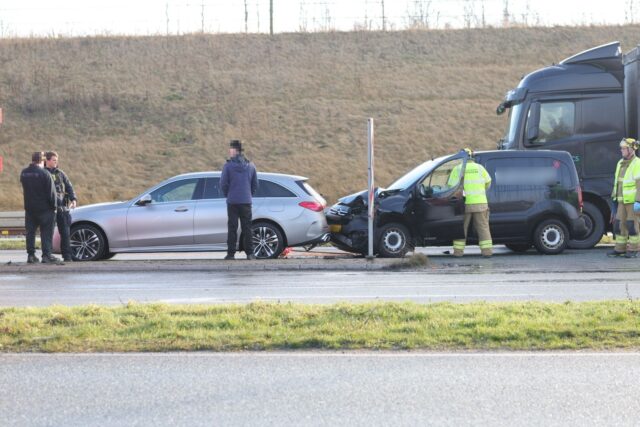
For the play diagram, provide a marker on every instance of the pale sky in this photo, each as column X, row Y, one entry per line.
column 91, row 17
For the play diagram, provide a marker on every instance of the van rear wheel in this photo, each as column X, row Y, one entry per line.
column 595, row 226
column 551, row 237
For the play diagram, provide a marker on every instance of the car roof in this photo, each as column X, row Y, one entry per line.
column 524, row 153
column 262, row 175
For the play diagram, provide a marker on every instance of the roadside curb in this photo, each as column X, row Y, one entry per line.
column 213, row 265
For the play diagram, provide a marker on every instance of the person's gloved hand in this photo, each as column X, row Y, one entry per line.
column 636, row 207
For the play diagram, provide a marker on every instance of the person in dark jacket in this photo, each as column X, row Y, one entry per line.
column 238, row 182
column 39, row 208
column 66, row 199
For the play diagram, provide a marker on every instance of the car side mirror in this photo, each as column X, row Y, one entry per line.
column 533, row 122
column 144, row 200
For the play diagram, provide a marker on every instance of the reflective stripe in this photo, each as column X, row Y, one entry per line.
column 634, row 239
column 484, row 244
column 459, row 244
column 621, row 239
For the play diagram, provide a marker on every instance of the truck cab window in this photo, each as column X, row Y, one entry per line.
column 557, row 121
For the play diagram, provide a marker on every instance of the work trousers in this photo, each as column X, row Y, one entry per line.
column 481, row 225
column 241, row 211
column 46, row 221
column 626, row 228
column 63, row 222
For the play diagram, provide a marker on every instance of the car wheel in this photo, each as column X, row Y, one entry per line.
column 595, row 224
column 551, row 237
column 394, row 241
column 267, row 240
column 87, row 243
column 518, row 247
column 109, row 255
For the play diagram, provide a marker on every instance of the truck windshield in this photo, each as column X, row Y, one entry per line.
column 512, row 127
column 415, row 174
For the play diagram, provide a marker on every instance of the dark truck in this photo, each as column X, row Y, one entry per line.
column 584, row 105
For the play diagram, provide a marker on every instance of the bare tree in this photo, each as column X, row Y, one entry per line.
column 202, row 17
column 421, row 16
column 629, row 11
column 302, row 17
column 166, row 12
column 469, row 13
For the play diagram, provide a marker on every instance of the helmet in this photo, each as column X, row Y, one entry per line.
column 629, row 143
column 469, row 152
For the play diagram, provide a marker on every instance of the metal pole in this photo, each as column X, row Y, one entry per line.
column 270, row 17
column 371, row 207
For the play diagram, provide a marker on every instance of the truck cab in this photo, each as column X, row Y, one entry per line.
column 578, row 106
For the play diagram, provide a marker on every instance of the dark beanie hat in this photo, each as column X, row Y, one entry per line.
column 37, row 157
column 235, row 143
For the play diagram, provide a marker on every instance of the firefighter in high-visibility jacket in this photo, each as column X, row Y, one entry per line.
column 476, row 182
column 626, row 197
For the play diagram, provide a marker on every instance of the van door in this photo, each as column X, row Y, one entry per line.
column 439, row 206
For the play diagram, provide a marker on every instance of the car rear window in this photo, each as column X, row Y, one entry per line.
column 271, row 189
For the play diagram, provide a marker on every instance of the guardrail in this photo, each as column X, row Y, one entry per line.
column 12, row 223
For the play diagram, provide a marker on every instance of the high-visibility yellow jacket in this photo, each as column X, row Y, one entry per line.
column 631, row 175
column 476, row 182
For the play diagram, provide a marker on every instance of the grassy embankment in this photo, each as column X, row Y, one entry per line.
column 380, row 326
column 127, row 112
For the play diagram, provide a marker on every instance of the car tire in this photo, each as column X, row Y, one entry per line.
column 595, row 223
column 551, row 237
column 518, row 247
column 87, row 243
column 109, row 255
column 394, row 241
column 267, row 239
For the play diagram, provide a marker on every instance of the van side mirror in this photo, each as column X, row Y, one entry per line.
column 533, row 122
column 144, row 200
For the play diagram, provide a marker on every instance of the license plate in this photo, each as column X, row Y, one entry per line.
column 335, row 228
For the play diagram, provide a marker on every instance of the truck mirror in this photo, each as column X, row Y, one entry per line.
column 533, row 122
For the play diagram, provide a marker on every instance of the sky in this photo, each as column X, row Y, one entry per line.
column 147, row 17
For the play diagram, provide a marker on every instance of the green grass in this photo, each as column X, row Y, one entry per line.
column 379, row 326
column 16, row 244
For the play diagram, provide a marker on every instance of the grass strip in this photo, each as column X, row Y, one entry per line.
column 273, row 326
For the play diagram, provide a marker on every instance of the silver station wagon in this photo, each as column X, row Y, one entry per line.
column 187, row 213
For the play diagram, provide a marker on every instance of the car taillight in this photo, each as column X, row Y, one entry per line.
column 580, row 203
column 314, row 206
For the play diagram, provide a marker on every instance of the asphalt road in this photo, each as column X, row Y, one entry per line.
column 545, row 389
column 575, row 276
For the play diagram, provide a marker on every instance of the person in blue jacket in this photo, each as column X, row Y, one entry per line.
column 239, row 183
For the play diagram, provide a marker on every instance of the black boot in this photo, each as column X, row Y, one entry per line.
column 615, row 253
column 631, row 254
column 32, row 259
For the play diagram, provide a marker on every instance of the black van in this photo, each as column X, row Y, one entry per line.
column 535, row 199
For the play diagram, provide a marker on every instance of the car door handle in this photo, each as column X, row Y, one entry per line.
column 181, row 209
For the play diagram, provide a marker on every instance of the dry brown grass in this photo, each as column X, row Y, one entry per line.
column 126, row 112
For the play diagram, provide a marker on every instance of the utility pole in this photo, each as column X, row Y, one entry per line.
column 202, row 17
column 166, row 12
column 271, row 17
column 384, row 19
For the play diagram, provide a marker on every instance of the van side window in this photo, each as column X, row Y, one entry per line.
column 528, row 173
column 557, row 121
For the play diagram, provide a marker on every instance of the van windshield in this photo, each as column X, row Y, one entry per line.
column 415, row 174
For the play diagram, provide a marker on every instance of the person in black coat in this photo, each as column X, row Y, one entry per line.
column 66, row 199
column 39, row 208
